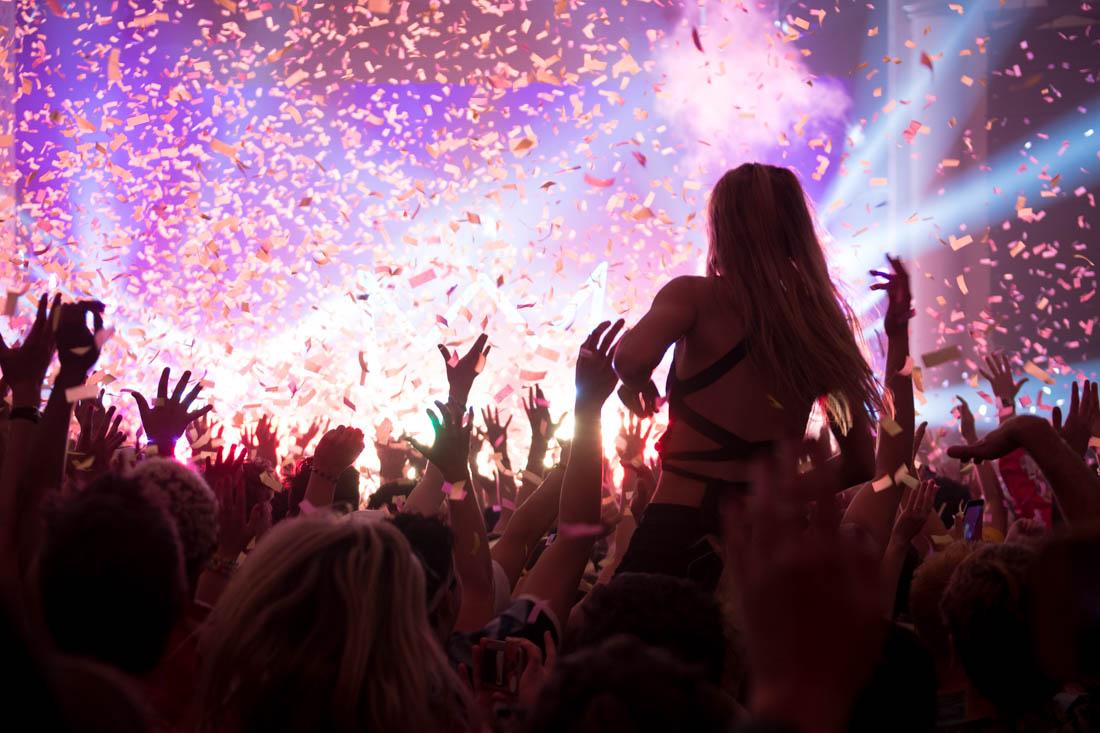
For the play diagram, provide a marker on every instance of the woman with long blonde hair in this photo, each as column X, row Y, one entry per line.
column 759, row 340
column 325, row 629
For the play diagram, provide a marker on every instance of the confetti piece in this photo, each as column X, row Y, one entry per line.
column 941, row 356
column 959, row 243
column 695, row 39
column 1034, row 370
column 598, row 182
column 881, row 484
column 425, row 277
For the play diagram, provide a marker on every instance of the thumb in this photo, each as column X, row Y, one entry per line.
column 1022, row 382
column 142, row 405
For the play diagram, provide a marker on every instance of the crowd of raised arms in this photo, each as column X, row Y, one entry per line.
column 859, row 575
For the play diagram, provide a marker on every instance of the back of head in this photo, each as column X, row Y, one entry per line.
column 111, row 575
column 625, row 686
column 324, row 628
column 926, row 592
column 987, row 607
column 662, row 611
column 901, row 695
column 433, row 543
column 391, row 495
column 764, row 245
column 191, row 503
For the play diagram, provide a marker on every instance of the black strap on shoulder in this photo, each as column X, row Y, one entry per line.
column 714, row 372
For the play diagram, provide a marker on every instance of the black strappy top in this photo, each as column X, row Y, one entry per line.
column 730, row 446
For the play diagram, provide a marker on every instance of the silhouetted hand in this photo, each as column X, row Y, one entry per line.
column 337, row 450
column 642, row 402
column 99, row 435
column 913, row 513
column 899, row 307
column 310, row 433
column 77, row 345
column 596, row 379
column 1084, row 410
column 537, row 408
column 496, row 433
column 392, row 457
column 226, row 462
column 265, row 440
column 452, row 441
column 1000, row 379
column 169, row 417
column 462, row 371
column 966, row 421
column 24, row 366
column 632, row 441
column 1001, row 441
column 234, row 528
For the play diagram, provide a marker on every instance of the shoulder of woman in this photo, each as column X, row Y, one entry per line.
column 686, row 286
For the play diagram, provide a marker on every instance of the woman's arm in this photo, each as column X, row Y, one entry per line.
column 556, row 575
column 670, row 317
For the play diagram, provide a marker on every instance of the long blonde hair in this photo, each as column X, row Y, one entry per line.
column 799, row 328
column 326, row 628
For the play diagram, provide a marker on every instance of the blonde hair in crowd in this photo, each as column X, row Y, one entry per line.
column 763, row 243
column 326, row 628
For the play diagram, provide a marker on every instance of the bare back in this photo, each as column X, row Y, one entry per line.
column 743, row 400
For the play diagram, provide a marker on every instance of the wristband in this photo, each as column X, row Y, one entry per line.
column 30, row 414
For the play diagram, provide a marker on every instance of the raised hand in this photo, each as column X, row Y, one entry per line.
column 537, row 408
column 495, row 431
column 462, row 371
column 337, row 451
column 169, row 417
column 77, row 345
column 632, row 441
column 899, row 307
column 200, row 434
column 392, row 457
column 999, row 376
column 225, row 463
column 999, row 442
column 305, row 438
column 642, row 402
column 449, row 450
column 913, row 513
column 99, row 436
column 24, row 367
column 266, row 438
column 234, row 530
column 966, row 421
column 596, row 379
column 1084, row 411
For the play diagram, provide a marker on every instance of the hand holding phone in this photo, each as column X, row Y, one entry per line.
column 972, row 520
